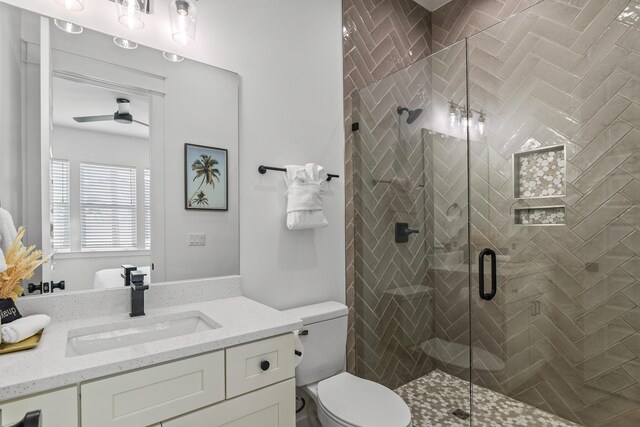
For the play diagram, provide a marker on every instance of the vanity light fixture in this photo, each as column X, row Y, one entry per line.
column 72, row 5
column 131, row 13
column 68, row 27
column 459, row 116
column 172, row 57
column 183, row 15
column 124, row 43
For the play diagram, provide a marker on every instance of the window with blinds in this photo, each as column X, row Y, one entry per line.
column 107, row 207
column 60, row 205
column 147, row 209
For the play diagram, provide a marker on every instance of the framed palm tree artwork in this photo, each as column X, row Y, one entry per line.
column 205, row 178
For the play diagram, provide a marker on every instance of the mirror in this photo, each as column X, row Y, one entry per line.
column 94, row 163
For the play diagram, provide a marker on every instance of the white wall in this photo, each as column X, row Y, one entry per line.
column 289, row 56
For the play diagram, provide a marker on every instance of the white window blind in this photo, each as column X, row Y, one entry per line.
column 59, row 204
column 147, row 209
column 107, row 207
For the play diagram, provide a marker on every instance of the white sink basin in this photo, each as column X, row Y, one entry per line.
column 136, row 331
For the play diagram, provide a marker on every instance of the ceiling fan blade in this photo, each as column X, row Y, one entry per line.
column 143, row 124
column 86, row 119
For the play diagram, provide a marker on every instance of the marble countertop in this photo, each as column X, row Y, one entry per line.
column 47, row 367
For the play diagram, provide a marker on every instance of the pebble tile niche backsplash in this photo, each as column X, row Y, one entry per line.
column 552, row 215
column 540, row 173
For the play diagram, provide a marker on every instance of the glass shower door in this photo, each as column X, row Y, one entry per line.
column 554, row 185
column 412, row 291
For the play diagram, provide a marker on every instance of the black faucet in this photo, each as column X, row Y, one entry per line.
column 403, row 232
column 137, row 293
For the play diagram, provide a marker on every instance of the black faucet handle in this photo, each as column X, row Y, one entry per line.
column 60, row 285
column 137, row 278
column 126, row 275
column 403, row 232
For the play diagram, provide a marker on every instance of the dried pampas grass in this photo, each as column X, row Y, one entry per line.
column 21, row 264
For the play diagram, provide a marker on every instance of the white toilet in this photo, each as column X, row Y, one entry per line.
column 343, row 400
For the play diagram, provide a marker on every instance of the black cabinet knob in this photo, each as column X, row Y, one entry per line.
column 264, row 365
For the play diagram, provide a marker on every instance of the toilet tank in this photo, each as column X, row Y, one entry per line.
column 325, row 345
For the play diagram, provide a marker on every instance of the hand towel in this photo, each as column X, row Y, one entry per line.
column 24, row 328
column 304, row 196
column 8, row 234
column 3, row 262
column 298, row 349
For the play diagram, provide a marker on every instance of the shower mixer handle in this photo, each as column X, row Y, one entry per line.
column 403, row 232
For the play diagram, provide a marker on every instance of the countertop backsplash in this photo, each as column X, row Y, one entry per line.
column 62, row 306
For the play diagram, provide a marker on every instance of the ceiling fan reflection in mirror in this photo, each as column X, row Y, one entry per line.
column 123, row 115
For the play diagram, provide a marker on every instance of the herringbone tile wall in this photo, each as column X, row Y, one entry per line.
column 380, row 37
column 393, row 297
column 463, row 18
column 566, row 320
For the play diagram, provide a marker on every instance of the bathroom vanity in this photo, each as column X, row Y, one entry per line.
column 228, row 361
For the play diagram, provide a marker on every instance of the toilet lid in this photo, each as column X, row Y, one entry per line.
column 362, row 403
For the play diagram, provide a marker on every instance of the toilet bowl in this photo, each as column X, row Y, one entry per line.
column 342, row 399
column 345, row 400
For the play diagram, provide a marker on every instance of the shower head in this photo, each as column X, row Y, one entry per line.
column 413, row 114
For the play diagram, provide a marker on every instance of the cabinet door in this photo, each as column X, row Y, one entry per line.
column 273, row 406
column 58, row 408
column 150, row 395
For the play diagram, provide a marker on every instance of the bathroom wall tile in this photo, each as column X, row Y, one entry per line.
column 632, row 65
column 605, row 337
column 600, row 71
column 600, row 48
column 557, row 33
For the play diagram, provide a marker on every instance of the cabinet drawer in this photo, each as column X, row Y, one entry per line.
column 154, row 394
column 273, row 406
column 246, row 364
column 58, row 408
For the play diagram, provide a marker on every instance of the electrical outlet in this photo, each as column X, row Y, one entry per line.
column 197, row 239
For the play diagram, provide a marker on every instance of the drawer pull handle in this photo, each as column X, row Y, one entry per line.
column 265, row 365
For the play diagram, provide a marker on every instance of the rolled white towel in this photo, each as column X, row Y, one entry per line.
column 3, row 262
column 24, row 328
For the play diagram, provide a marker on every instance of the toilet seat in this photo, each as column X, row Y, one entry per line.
column 356, row 402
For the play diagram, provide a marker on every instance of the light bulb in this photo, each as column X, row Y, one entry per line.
column 463, row 114
column 72, row 5
column 172, row 57
column 481, row 123
column 131, row 13
column 124, row 43
column 184, row 15
column 68, row 27
column 453, row 114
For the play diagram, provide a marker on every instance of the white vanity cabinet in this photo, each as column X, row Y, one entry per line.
column 208, row 390
column 57, row 408
column 248, row 385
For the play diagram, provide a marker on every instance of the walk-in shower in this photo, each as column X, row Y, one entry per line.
column 539, row 170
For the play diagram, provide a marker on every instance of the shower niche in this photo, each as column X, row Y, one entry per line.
column 540, row 215
column 540, row 173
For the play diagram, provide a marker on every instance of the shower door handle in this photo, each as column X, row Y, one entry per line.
column 494, row 285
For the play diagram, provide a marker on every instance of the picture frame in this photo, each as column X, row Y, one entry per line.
column 206, row 178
